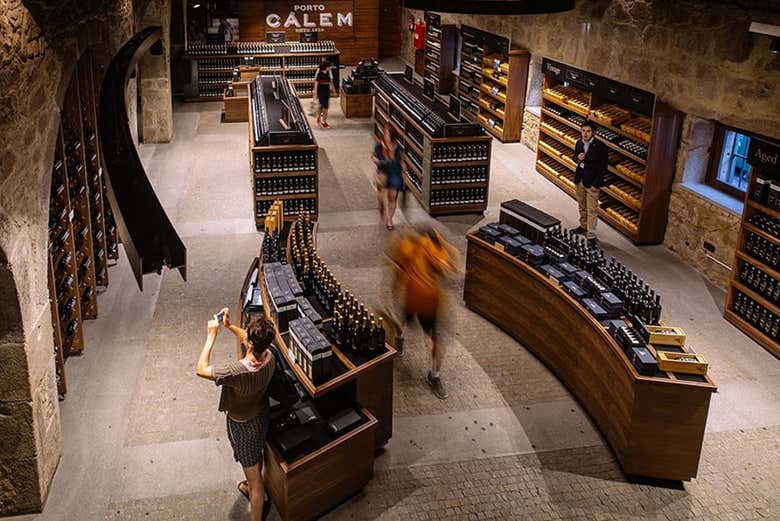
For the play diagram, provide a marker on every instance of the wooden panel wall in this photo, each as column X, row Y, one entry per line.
column 355, row 43
column 390, row 30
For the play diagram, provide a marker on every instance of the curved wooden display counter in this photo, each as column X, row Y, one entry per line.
column 654, row 424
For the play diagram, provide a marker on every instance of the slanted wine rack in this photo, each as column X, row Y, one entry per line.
column 641, row 133
column 82, row 236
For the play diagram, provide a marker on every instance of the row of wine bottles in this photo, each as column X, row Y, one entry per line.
column 285, row 185
column 309, row 206
column 461, row 152
column 762, row 283
column 759, row 316
column 280, row 162
column 458, row 196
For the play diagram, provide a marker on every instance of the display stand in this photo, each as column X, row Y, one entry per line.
column 356, row 105
column 654, row 424
column 753, row 301
column 235, row 105
column 642, row 135
column 448, row 175
column 281, row 171
column 315, row 482
column 212, row 72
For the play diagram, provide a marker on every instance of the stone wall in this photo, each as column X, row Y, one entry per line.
column 155, row 81
column 40, row 42
column 696, row 56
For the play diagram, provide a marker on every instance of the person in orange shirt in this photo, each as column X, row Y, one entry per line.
column 421, row 260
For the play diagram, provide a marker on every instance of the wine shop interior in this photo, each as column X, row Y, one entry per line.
column 381, row 259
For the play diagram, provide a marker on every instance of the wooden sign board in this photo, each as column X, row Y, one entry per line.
column 353, row 25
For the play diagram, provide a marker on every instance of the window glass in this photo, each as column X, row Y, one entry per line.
column 733, row 168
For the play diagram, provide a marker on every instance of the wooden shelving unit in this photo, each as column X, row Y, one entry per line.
column 279, row 171
column 492, row 83
column 440, row 50
column 753, row 299
column 82, row 234
column 642, row 135
column 442, row 187
column 212, row 72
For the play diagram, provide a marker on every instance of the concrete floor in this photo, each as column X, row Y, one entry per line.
column 142, row 438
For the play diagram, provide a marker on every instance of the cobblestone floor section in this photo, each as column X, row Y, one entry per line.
column 737, row 480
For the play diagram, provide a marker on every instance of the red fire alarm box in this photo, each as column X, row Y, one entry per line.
column 419, row 35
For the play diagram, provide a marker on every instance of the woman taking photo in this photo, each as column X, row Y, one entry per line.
column 244, row 399
column 390, row 172
column 322, row 80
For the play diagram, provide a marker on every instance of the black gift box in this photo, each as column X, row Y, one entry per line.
column 568, row 269
column 610, row 302
column 580, row 276
column 613, row 325
column 628, row 339
column 508, row 230
column 489, row 234
column 644, row 361
column 574, row 289
column 553, row 272
column 533, row 254
column 511, row 245
column 531, row 222
column 595, row 309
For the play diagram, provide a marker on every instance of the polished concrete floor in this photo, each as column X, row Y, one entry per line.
column 142, row 439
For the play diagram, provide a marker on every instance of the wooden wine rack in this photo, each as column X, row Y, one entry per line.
column 492, row 85
column 635, row 198
column 440, row 48
column 215, row 80
column 762, row 167
column 79, row 242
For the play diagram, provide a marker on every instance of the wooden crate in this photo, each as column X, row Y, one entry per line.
column 689, row 363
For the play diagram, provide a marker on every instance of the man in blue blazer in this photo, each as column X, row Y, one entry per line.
column 590, row 155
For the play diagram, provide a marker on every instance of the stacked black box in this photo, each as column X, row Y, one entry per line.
column 531, row 222
column 311, row 349
column 283, row 290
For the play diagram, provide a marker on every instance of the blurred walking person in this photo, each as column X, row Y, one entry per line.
column 421, row 261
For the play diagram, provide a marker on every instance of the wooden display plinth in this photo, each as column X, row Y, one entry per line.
column 356, row 105
column 236, row 107
column 654, row 424
column 311, row 486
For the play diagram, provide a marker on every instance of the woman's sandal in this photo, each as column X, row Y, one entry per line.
column 245, row 490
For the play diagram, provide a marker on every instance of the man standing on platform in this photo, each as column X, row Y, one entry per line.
column 590, row 156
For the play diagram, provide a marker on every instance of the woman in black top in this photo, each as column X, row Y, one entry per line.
column 322, row 81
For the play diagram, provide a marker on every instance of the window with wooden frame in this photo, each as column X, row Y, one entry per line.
column 729, row 169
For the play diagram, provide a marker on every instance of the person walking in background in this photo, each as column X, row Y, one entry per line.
column 323, row 79
column 590, row 155
column 244, row 399
column 390, row 171
column 421, row 260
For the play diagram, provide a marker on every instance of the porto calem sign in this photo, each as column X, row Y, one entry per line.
column 316, row 17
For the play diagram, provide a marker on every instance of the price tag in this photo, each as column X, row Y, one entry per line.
column 292, row 355
column 491, row 123
column 498, row 246
column 494, row 90
column 100, row 172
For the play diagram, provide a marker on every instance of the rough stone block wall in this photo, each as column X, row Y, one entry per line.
column 39, row 46
column 155, row 84
column 530, row 135
column 696, row 56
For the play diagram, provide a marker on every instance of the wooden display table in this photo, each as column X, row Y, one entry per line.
column 654, row 424
column 236, row 105
column 356, row 105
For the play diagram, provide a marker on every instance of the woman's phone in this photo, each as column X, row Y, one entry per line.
column 218, row 317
